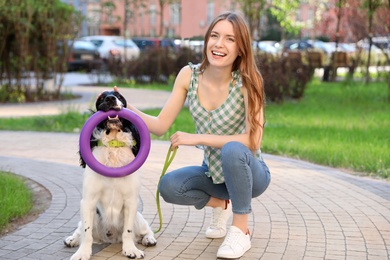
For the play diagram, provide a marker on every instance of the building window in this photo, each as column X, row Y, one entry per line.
column 175, row 14
column 170, row 32
column 311, row 15
column 153, row 14
column 298, row 16
column 233, row 5
column 142, row 16
column 94, row 16
column 152, row 32
column 210, row 11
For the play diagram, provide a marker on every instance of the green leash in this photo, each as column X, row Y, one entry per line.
column 168, row 161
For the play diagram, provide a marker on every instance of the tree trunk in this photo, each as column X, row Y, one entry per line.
column 162, row 3
column 370, row 15
column 333, row 60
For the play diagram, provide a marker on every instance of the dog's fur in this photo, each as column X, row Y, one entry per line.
column 109, row 205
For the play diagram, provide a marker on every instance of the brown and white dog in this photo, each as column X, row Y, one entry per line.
column 109, row 206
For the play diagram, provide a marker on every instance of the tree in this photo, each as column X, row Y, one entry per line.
column 162, row 4
column 285, row 13
column 283, row 10
column 371, row 7
column 340, row 4
column 253, row 10
column 34, row 38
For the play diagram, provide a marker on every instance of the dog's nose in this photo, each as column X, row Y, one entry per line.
column 110, row 99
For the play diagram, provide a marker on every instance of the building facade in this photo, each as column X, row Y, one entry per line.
column 81, row 6
column 179, row 19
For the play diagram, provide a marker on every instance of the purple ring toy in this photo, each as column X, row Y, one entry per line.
column 89, row 158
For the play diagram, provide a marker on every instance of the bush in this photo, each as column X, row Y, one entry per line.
column 284, row 76
column 30, row 35
column 153, row 65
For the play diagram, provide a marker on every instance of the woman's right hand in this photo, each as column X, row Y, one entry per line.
column 183, row 138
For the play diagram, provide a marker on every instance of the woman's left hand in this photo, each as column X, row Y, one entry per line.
column 182, row 138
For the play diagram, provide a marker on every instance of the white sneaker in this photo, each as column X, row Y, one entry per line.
column 235, row 244
column 217, row 228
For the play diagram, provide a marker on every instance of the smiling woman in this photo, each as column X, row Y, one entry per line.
column 225, row 96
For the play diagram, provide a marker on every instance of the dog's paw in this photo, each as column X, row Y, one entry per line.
column 132, row 252
column 149, row 240
column 72, row 241
column 82, row 255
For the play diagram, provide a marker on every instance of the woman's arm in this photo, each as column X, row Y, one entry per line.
column 217, row 141
column 158, row 125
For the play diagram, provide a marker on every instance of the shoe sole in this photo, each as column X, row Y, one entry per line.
column 233, row 257
column 213, row 237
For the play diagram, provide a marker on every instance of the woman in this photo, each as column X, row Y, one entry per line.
column 226, row 99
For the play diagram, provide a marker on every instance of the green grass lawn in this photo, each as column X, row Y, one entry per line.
column 335, row 124
column 15, row 198
column 343, row 125
column 71, row 121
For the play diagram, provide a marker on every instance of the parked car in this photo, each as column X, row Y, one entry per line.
column 296, row 45
column 379, row 44
column 83, row 55
column 330, row 47
column 146, row 43
column 114, row 47
column 348, row 47
column 267, row 47
column 324, row 47
column 195, row 45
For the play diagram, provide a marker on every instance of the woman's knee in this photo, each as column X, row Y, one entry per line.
column 167, row 188
column 261, row 180
column 233, row 154
column 232, row 151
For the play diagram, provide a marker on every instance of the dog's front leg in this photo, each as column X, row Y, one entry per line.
column 88, row 209
column 129, row 249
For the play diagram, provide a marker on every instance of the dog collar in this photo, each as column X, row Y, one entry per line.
column 113, row 143
column 116, row 144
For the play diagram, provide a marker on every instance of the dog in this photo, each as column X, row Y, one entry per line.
column 109, row 205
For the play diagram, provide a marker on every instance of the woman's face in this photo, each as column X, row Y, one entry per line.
column 222, row 49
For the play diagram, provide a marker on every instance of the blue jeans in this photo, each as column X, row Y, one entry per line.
column 246, row 177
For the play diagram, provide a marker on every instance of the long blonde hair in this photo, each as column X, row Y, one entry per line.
column 245, row 63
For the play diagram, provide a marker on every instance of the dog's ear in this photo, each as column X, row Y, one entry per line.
column 137, row 139
column 130, row 127
column 100, row 99
column 82, row 162
column 93, row 143
column 121, row 98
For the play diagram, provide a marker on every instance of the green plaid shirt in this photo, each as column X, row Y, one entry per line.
column 228, row 119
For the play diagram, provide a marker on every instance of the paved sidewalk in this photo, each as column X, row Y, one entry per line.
column 308, row 212
column 140, row 98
